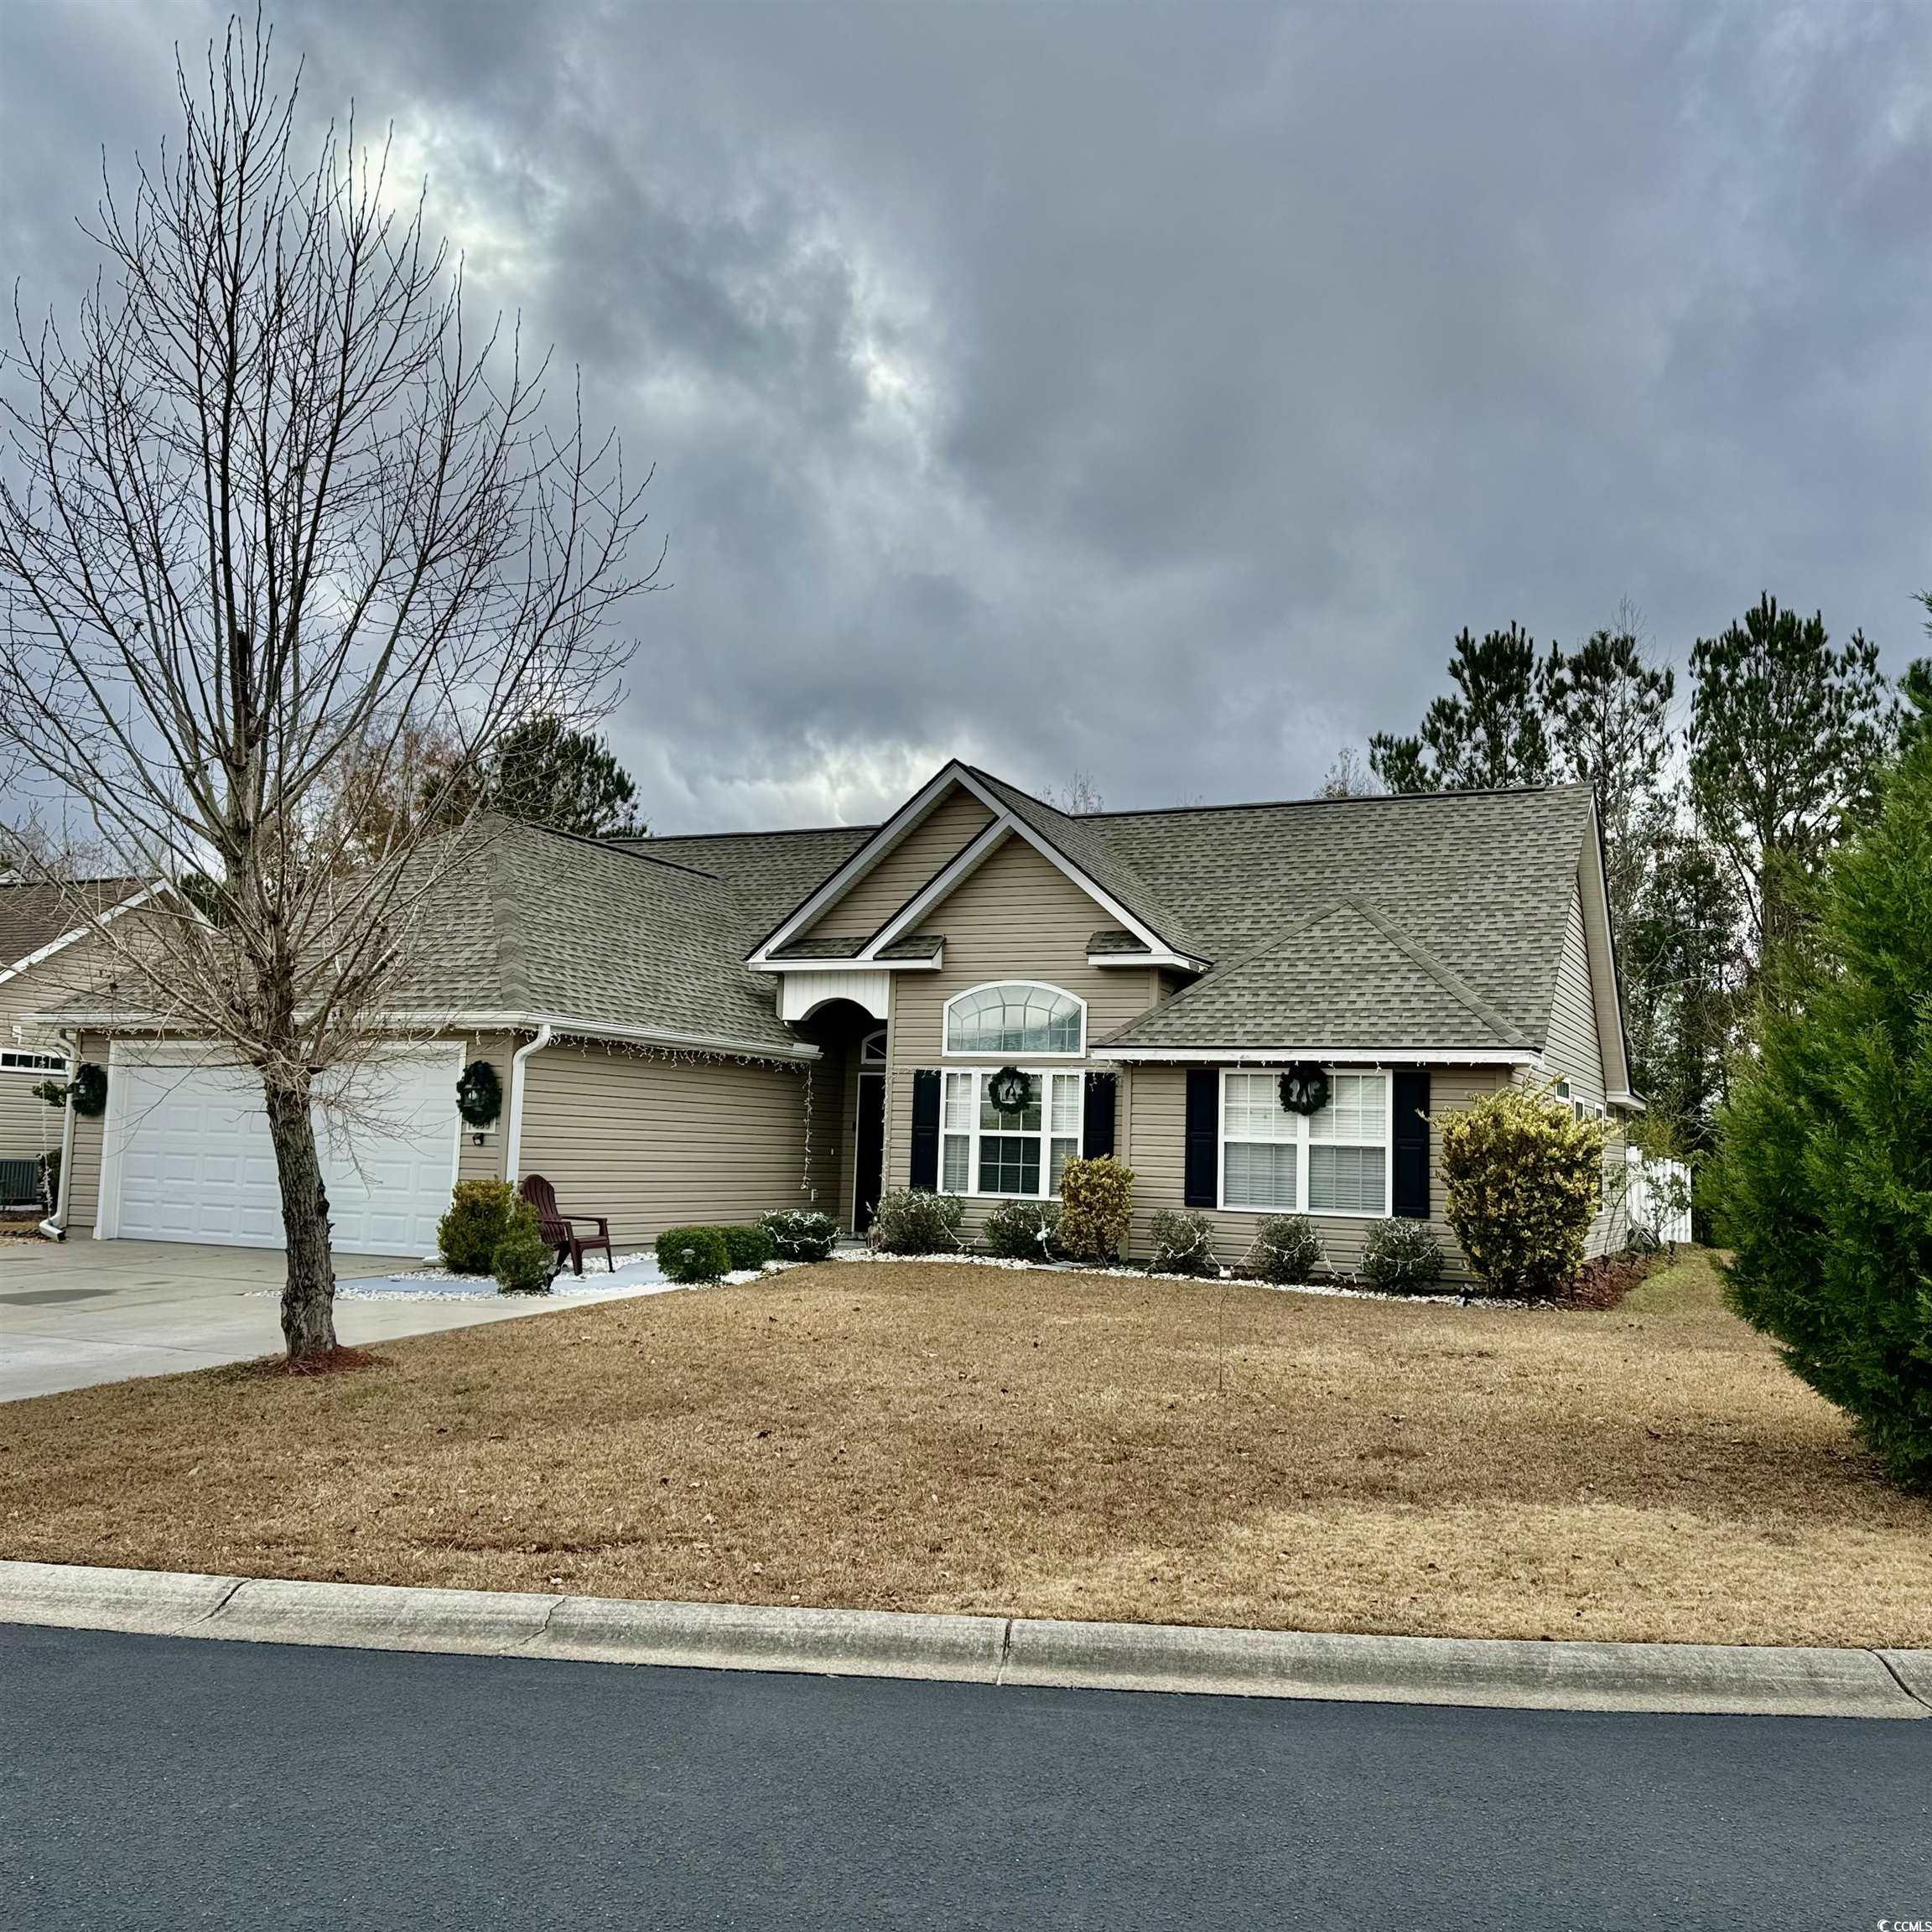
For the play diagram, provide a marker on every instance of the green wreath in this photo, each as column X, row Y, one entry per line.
column 479, row 1094
column 1304, row 1088
column 1009, row 1091
column 88, row 1089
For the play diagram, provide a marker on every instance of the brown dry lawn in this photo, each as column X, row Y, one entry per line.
column 937, row 1437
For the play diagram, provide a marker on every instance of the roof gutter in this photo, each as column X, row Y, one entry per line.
column 1331, row 1056
column 513, row 1152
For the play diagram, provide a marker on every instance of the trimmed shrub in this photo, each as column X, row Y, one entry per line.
column 1097, row 1208
column 1401, row 1257
column 750, row 1247
column 1523, row 1179
column 1183, row 1244
column 694, row 1255
column 1024, row 1230
column 523, row 1262
column 480, row 1215
column 916, row 1221
column 1286, row 1249
column 800, row 1233
column 1822, row 1183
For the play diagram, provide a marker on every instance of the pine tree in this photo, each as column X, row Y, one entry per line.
column 1823, row 1182
column 1494, row 731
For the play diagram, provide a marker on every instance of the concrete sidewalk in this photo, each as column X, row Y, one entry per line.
column 81, row 1311
column 1685, row 1678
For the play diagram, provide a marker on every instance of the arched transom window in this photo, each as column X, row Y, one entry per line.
column 1017, row 1017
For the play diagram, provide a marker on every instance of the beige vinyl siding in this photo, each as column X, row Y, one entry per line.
column 830, row 1166
column 485, row 1161
column 29, row 1126
column 655, row 1144
column 1017, row 917
column 84, row 1186
column 1157, row 1154
column 871, row 900
column 1575, row 1053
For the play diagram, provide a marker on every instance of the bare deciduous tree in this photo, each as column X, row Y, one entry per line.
column 274, row 520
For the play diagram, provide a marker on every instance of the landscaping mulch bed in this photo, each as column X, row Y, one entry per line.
column 930, row 1437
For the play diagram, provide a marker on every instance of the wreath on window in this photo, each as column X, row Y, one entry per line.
column 1304, row 1089
column 1009, row 1091
column 479, row 1094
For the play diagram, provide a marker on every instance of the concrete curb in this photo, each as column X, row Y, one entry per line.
column 1686, row 1678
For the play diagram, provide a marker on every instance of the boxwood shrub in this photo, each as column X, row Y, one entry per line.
column 1401, row 1257
column 523, row 1262
column 916, row 1221
column 694, row 1255
column 1024, row 1230
column 479, row 1217
column 1286, row 1251
column 749, row 1247
column 1183, row 1244
column 800, row 1233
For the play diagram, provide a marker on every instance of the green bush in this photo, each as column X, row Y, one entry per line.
column 1023, row 1230
column 1097, row 1208
column 694, row 1255
column 1523, row 1178
column 1183, row 1244
column 522, row 1261
column 750, row 1247
column 1286, row 1251
column 800, row 1233
column 1401, row 1257
column 916, row 1221
column 1821, row 1186
column 479, row 1218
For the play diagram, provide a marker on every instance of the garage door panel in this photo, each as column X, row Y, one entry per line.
column 194, row 1162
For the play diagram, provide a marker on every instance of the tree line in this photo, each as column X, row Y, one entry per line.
column 1716, row 820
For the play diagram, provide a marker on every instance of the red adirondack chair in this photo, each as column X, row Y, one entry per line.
column 560, row 1230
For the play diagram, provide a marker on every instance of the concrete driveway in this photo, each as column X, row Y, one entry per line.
column 84, row 1310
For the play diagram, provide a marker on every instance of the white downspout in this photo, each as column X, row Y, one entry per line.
column 513, row 1152
column 54, row 1227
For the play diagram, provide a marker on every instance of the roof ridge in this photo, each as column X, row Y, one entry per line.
column 1358, row 798
column 504, row 818
column 1443, row 975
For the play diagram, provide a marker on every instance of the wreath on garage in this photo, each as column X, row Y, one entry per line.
column 1009, row 1091
column 1304, row 1089
column 480, row 1094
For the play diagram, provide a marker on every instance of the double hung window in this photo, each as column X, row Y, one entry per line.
column 1334, row 1161
column 985, row 1151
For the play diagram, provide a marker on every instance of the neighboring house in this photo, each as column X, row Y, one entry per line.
column 703, row 1027
column 48, row 956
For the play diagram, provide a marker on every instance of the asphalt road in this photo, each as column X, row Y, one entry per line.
column 157, row 1781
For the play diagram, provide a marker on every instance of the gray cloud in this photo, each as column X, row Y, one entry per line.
column 1155, row 391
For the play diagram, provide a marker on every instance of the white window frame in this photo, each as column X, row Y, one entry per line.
column 22, row 1060
column 977, row 1077
column 872, row 1049
column 947, row 1049
column 1302, row 1141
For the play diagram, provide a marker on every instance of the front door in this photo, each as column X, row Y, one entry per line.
column 869, row 1152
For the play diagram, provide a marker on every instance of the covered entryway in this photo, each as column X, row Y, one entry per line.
column 186, row 1155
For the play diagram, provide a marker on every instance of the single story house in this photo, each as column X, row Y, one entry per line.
column 46, row 957
column 703, row 1027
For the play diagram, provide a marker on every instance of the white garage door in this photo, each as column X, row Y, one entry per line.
column 188, row 1157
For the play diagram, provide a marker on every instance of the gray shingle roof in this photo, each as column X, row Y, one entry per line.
column 537, row 923
column 1477, row 884
column 769, row 872
column 32, row 914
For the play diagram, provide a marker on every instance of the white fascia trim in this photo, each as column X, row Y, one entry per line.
column 902, row 821
column 1330, row 1056
column 67, row 939
column 1631, row 1103
column 1178, row 961
column 975, row 854
column 561, row 1024
column 848, row 963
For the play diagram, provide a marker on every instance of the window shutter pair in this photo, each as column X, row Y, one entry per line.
column 1097, row 1124
column 1410, row 1130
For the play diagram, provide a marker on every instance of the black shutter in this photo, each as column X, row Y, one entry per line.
column 1203, row 1123
column 1411, row 1147
column 1097, row 1128
column 926, row 1128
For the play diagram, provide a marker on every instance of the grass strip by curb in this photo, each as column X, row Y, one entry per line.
column 1685, row 1678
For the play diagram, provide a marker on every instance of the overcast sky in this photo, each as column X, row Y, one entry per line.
column 1148, row 391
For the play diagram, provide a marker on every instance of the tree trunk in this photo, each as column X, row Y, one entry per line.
column 308, row 1294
